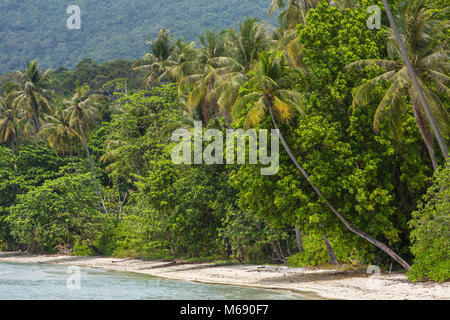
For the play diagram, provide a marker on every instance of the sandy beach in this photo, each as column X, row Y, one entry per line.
column 311, row 282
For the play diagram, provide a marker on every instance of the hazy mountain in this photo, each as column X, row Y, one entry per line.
column 110, row 29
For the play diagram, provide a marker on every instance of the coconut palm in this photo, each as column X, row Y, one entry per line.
column 243, row 49
column 271, row 94
column 292, row 13
column 59, row 132
column 8, row 123
column 32, row 97
column 82, row 110
column 202, row 77
column 158, row 61
column 427, row 48
column 184, row 56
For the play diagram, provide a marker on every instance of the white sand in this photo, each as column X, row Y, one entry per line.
column 315, row 283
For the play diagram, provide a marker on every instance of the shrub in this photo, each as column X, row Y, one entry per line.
column 431, row 231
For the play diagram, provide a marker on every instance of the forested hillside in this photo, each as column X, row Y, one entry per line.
column 109, row 29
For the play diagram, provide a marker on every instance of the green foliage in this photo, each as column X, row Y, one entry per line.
column 252, row 239
column 102, row 78
column 431, row 231
column 315, row 252
column 56, row 214
column 81, row 249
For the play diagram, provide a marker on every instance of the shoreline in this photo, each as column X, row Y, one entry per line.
column 305, row 282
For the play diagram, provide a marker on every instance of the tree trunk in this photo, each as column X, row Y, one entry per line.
column 333, row 259
column 37, row 126
column 94, row 178
column 69, row 144
column 360, row 233
column 13, row 149
column 227, row 120
column 205, row 114
column 89, row 155
column 298, row 238
column 36, row 132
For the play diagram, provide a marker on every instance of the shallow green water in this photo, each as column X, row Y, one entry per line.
column 43, row 282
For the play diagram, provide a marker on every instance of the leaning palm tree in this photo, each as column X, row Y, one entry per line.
column 271, row 94
column 60, row 133
column 8, row 123
column 158, row 61
column 423, row 33
column 32, row 97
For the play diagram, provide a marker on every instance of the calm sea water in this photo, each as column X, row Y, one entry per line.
column 44, row 282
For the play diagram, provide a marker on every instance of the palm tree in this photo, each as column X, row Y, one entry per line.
column 292, row 13
column 427, row 48
column 32, row 96
column 184, row 57
column 60, row 133
column 202, row 77
column 81, row 111
column 8, row 123
column 243, row 49
column 159, row 59
column 271, row 94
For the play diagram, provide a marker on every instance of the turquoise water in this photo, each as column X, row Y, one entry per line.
column 49, row 282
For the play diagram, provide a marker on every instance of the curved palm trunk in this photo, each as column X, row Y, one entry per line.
column 360, row 233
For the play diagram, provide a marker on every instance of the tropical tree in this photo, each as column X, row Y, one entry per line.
column 243, row 49
column 8, row 123
column 82, row 110
column 202, row 77
column 32, row 97
column 423, row 32
column 159, row 60
column 270, row 92
column 292, row 12
column 60, row 133
column 184, row 55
